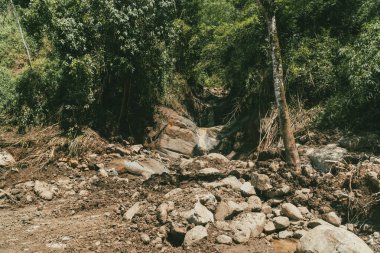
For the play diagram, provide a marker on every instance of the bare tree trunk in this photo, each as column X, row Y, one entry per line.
column 124, row 102
column 292, row 155
column 22, row 34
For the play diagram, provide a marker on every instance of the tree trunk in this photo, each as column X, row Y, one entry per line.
column 22, row 34
column 292, row 156
column 124, row 102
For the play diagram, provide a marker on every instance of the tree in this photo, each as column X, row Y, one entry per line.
column 292, row 156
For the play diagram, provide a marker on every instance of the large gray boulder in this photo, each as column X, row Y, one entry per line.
column 323, row 158
column 327, row 238
column 177, row 135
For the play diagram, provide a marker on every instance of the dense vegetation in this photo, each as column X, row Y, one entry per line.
column 107, row 63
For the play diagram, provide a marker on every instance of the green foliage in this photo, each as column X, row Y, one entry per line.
column 7, row 91
column 311, row 74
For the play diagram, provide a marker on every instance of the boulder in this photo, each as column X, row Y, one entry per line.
column 281, row 222
column 261, row 182
column 327, row 238
column 194, row 235
column 200, row 215
column 291, row 211
column 247, row 190
column 227, row 210
column 255, row 204
column 44, row 190
column 224, row 239
column 323, row 158
column 333, row 219
column 177, row 135
column 247, row 225
column 6, row 159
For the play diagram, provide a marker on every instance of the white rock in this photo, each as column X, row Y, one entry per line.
column 333, row 219
column 6, row 159
column 218, row 157
column 269, row 227
column 200, row 215
column 209, row 172
column 255, row 203
column 247, row 189
column 103, row 173
column 252, row 222
column 226, row 210
column 132, row 211
column 224, row 239
column 196, row 234
column 145, row 238
column 291, row 211
column 285, row 234
column 332, row 239
column 231, row 181
column 44, row 190
column 281, row 222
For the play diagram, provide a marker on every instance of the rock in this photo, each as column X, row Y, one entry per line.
column 291, row 211
column 231, row 181
column 145, row 238
column 281, row 222
column 247, row 190
column 174, row 134
column 373, row 180
column 317, row 222
column 266, row 209
column 209, row 201
column 255, row 204
column 285, row 234
column 163, row 211
column 6, row 159
column 136, row 148
column 132, row 211
column 333, row 219
column 261, row 182
column 194, row 235
column 44, row 190
column 247, row 225
column 269, row 228
column 224, row 239
column 173, row 193
column 299, row 233
column 323, row 158
column 223, row 225
column 332, row 239
column 209, row 172
column 242, row 232
column 145, row 167
column 103, row 173
column 278, row 192
column 208, row 138
column 200, row 215
column 218, row 158
column 227, row 210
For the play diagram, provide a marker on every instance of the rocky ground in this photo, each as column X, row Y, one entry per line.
column 125, row 198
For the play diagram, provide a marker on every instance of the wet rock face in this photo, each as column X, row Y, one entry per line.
column 327, row 238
